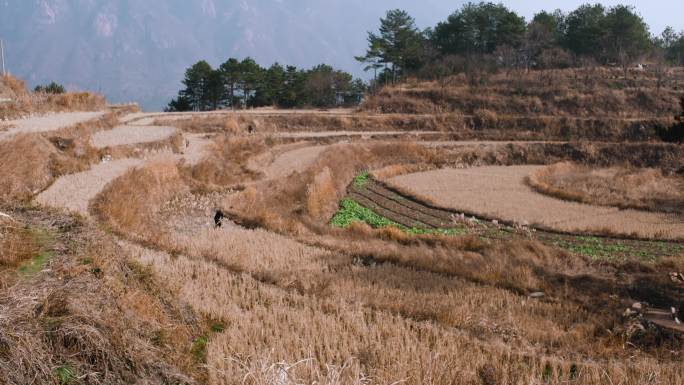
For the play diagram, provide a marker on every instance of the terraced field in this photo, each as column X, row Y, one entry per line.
column 50, row 122
column 459, row 278
column 419, row 216
column 501, row 193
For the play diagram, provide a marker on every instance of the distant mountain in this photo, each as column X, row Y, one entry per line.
column 137, row 50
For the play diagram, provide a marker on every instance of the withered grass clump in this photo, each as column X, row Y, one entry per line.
column 129, row 203
column 226, row 162
column 26, row 166
column 17, row 244
column 644, row 189
column 92, row 315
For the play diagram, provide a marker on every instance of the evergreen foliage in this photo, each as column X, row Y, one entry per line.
column 241, row 84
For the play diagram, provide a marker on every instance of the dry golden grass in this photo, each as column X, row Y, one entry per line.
column 285, row 303
column 359, row 307
column 25, row 164
column 317, row 193
column 225, row 123
column 17, row 244
column 310, row 123
column 574, row 92
column 486, row 123
column 643, row 189
column 129, row 203
column 25, row 102
column 589, row 104
column 74, row 101
column 226, row 162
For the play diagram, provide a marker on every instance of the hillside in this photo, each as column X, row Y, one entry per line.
column 137, row 51
column 577, row 104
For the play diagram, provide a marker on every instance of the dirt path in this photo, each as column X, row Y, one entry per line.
column 148, row 118
column 123, row 135
column 366, row 134
column 501, row 192
column 294, row 160
column 45, row 123
column 74, row 192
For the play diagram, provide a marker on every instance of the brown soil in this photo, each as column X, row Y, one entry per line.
column 123, row 135
column 501, row 192
column 398, row 208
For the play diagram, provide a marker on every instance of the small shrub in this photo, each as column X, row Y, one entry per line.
column 362, row 179
column 65, row 375
column 52, row 88
column 199, row 348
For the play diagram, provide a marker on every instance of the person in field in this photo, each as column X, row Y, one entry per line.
column 218, row 218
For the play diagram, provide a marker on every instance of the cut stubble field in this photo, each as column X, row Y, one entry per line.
column 502, row 193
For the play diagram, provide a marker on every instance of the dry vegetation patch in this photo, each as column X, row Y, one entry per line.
column 573, row 104
column 294, row 301
column 89, row 314
column 24, row 102
column 644, row 189
column 573, row 92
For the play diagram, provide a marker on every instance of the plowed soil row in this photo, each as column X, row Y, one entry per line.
column 391, row 205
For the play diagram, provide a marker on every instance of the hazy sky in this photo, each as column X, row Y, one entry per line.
column 657, row 13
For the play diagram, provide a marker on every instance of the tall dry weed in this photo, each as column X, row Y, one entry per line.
column 318, row 193
column 130, row 203
column 644, row 189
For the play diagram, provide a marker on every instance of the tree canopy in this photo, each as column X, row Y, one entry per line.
column 398, row 46
column 486, row 35
column 479, row 28
column 244, row 83
column 626, row 35
column 673, row 45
